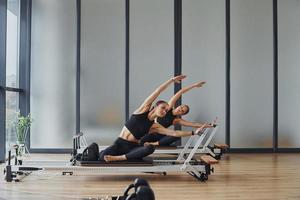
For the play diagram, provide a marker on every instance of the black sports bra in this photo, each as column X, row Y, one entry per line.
column 139, row 124
column 167, row 120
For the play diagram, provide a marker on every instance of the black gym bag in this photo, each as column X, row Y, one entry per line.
column 90, row 153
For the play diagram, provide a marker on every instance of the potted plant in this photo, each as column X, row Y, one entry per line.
column 22, row 126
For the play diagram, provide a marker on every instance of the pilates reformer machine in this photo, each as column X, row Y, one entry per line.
column 200, row 168
column 215, row 151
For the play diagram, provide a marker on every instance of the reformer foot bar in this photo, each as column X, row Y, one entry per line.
column 215, row 151
column 198, row 168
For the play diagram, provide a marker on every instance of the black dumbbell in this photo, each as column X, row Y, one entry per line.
column 142, row 193
column 137, row 182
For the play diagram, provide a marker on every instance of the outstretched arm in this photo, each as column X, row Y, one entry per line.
column 173, row 100
column 157, row 128
column 150, row 99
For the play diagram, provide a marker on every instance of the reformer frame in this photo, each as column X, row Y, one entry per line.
column 198, row 168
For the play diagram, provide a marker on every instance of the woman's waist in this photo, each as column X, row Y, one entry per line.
column 128, row 136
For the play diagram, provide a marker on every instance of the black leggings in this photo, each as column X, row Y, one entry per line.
column 130, row 149
column 163, row 140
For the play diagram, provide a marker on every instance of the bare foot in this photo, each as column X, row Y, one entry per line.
column 151, row 143
column 109, row 158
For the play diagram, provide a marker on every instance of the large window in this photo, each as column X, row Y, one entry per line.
column 251, row 74
column 288, row 70
column 203, row 50
column 117, row 44
column 53, row 72
column 12, row 43
column 102, row 77
column 12, row 107
column 12, row 70
column 151, row 49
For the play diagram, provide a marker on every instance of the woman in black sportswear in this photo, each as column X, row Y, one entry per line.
column 140, row 123
column 173, row 117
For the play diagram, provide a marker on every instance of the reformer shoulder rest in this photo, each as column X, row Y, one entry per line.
column 221, row 146
column 208, row 159
column 147, row 161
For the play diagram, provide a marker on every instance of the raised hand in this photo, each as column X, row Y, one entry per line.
column 177, row 79
column 199, row 84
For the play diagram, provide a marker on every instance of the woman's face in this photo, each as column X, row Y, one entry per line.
column 162, row 109
column 181, row 110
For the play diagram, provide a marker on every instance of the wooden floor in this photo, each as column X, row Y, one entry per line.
column 237, row 176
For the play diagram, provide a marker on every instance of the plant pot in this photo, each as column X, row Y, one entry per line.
column 21, row 134
column 21, row 149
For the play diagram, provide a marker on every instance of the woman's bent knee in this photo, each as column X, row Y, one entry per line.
column 150, row 148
